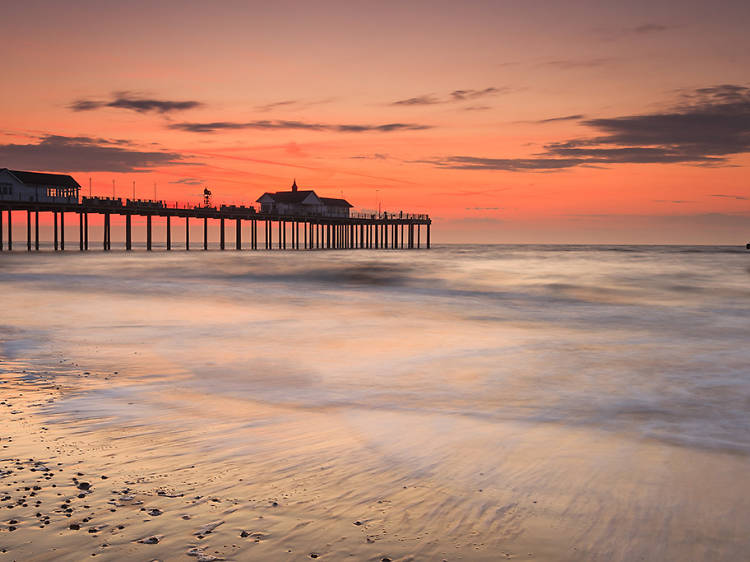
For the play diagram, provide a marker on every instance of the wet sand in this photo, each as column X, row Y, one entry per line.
column 302, row 487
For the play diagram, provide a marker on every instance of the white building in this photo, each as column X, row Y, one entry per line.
column 302, row 203
column 16, row 185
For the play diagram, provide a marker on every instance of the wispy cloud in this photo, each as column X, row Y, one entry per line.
column 212, row 127
column 647, row 28
column 419, row 100
column 713, row 125
column 737, row 197
column 578, row 63
column 376, row 156
column 188, row 181
column 133, row 102
column 456, row 96
column 291, row 104
column 564, row 118
column 76, row 154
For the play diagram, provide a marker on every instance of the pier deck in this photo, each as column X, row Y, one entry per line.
column 358, row 231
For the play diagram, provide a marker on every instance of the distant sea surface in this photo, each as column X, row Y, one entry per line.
column 575, row 402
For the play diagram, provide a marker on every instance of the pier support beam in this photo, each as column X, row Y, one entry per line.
column 148, row 233
column 28, row 230
column 80, row 232
column 238, row 234
column 428, row 236
column 10, row 231
column 205, row 233
column 55, row 227
column 104, row 231
column 221, row 235
column 187, row 234
column 169, row 233
column 36, row 230
column 128, row 232
column 419, row 235
column 85, row 231
column 62, row 231
column 1, row 231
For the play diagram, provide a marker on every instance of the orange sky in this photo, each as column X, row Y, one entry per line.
column 548, row 122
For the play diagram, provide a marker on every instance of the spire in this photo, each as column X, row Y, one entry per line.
column 294, row 185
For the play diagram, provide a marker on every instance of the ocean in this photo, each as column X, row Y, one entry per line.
column 549, row 402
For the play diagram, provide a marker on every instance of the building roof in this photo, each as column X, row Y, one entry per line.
column 333, row 202
column 296, row 197
column 39, row 178
column 288, row 197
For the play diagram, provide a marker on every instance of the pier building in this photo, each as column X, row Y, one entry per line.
column 16, row 185
column 305, row 202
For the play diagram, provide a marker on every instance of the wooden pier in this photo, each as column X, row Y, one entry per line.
column 358, row 231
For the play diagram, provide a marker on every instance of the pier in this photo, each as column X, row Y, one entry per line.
column 279, row 231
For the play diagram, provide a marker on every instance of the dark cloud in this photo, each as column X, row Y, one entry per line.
column 712, row 125
column 281, row 124
column 83, row 154
column 456, row 96
column 564, row 118
column 738, row 197
column 127, row 100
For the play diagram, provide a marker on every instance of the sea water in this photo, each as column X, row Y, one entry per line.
column 593, row 401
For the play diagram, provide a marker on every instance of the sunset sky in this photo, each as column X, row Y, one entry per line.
column 570, row 122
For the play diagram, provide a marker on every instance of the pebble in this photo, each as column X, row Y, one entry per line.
column 153, row 539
